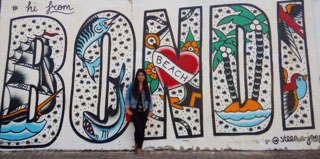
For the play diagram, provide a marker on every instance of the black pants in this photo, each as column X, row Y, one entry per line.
column 139, row 120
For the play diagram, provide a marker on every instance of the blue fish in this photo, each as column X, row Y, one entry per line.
column 97, row 129
column 92, row 31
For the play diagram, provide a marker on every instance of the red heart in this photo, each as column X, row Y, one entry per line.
column 188, row 62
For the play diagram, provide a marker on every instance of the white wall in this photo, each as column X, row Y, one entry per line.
column 316, row 24
column 69, row 136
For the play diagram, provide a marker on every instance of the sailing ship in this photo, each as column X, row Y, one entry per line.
column 30, row 88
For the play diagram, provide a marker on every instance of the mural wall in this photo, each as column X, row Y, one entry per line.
column 101, row 75
column 235, row 113
column 297, row 108
column 223, row 74
column 174, row 71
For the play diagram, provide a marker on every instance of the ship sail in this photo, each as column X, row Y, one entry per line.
column 24, row 74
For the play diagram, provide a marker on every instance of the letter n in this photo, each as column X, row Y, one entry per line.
column 185, row 99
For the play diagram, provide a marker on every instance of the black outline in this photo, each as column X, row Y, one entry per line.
column 271, row 66
column 54, row 73
column 29, row 100
column 166, row 91
column 107, row 89
column 308, row 70
column 143, row 57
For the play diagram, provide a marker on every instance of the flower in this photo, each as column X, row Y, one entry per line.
column 188, row 46
column 151, row 70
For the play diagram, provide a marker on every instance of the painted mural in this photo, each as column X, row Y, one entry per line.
column 174, row 72
column 101, row 75
column 235, row 113
column 33, row 97
column 217, row 82
column 297, row 109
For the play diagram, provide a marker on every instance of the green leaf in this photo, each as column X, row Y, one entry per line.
column 248, row 41
column 261, row 18
column 247, row 28
column 149, row 79
column 233, row 32
column 216, row 45
column 198, row 44
column 244, row 12
column 154, row 85
column 216, row 60
column 190, row 37
column 236, row 19
column 220, row 34
column 146, row 63
column 265, row 28
column 231, row 46
column 225, row 20
column 181, row 44
column 231, row 40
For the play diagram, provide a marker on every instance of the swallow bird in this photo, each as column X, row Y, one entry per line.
column 293, row 92
column 288, row 26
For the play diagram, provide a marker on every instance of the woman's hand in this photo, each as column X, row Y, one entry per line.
column 128, row 111
column 149, row 114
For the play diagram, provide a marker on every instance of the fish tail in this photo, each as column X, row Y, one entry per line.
column 91, row 67
column 118, row 80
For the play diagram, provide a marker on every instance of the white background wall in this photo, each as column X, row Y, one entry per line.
column 134, row 10
column 316, row 20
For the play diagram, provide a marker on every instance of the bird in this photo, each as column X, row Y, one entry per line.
column 292, row 92
column 288, row 26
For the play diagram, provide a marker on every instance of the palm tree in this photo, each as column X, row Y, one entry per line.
column 249, row 22
column 225, row 46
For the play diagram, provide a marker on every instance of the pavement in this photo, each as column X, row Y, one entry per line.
column 276, row 154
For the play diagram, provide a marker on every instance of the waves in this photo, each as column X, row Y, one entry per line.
column 245, row 119
column 21, row 130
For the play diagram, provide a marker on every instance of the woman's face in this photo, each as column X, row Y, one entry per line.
column 141, row 77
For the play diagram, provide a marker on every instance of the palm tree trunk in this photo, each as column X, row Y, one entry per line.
column 230, row 83
column 258, row 67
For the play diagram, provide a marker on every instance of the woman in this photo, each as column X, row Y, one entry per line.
column 139, row 106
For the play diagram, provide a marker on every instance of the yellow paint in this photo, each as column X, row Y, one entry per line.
column 193, row 98
column 249, row 105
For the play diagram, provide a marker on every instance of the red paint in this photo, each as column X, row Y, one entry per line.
column 50, row 34
column 291, row 23
column 188, row 62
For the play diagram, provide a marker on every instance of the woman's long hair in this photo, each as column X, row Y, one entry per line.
column 135, row 89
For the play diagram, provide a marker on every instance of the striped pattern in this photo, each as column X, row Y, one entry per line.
column 258, row 68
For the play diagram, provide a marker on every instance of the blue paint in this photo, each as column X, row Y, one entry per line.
column 93, row 31
column 301, row 87
column 245, row 119
column 100, row 131
column 21, row 130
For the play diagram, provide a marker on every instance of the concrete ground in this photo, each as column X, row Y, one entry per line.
column 307, row 154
